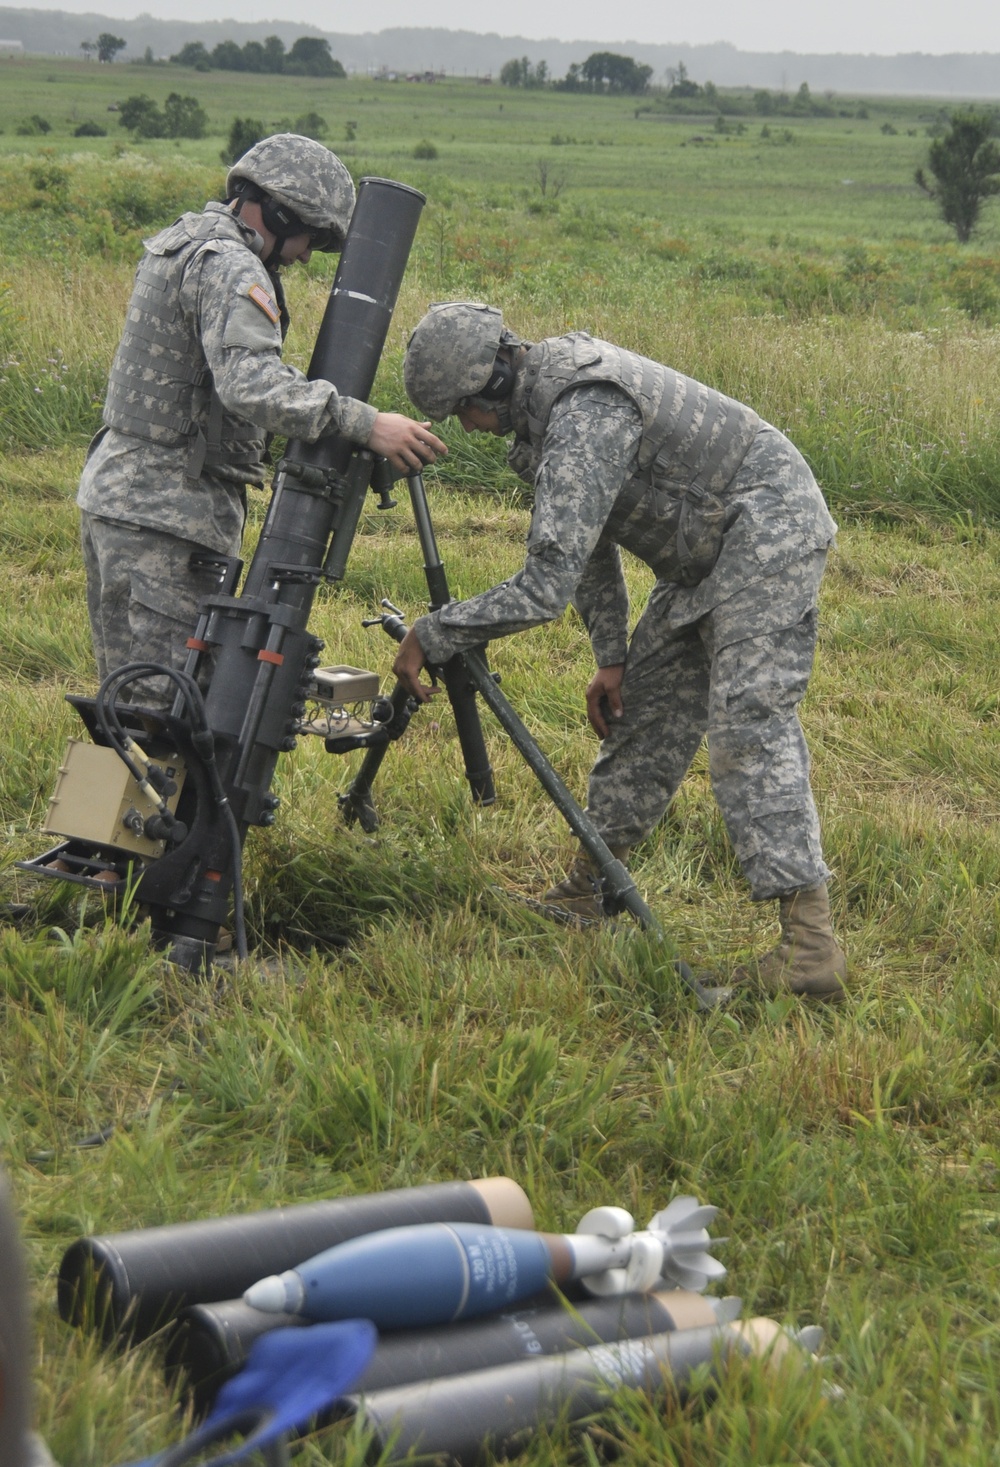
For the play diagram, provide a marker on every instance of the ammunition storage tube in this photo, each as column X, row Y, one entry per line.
column 460, row 1417
column 130, row 1284
column 210, row 1342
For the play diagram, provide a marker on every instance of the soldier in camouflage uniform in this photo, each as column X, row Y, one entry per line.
column 623, row 451
column 196, row 389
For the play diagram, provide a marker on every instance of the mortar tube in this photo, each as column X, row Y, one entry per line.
column 251, row 730
column 460, row 1417
column 126, row 1285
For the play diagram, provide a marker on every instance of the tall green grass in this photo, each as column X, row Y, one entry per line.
column 871, row 354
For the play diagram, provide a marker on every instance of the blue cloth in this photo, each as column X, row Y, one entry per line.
column 291, row 1375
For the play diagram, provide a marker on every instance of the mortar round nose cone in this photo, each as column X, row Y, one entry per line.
column 267, row 1294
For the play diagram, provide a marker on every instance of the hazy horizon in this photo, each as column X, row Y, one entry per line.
column 866, row 27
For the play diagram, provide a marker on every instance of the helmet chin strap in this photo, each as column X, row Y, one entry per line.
column 498, row 390
column 498, row 405
column 256, row 240
column 518, row 348
column 257, row 243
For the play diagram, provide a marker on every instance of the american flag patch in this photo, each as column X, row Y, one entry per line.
column 260, row 298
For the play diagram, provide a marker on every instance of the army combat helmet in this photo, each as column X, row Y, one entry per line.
column 452, row 359
column 301, row 186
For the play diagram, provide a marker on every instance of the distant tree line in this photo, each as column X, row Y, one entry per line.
column 521, row 73
column 309, row 56
column 801, row 104
column 682, row 94
column 603, row 71
column 106, row 46
column 607, row 72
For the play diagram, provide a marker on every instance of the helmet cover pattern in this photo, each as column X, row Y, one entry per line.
column 450, row 355
column 304, row 176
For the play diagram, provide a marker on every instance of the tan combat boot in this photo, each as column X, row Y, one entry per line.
column 578, row 896
column 808, row 960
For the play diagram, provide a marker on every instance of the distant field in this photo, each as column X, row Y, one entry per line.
column 854, row 1154
column 736, row 255
column 811, row 179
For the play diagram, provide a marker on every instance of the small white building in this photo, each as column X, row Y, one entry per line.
column 11, row 48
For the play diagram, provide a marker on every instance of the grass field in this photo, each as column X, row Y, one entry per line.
column 853, row 1154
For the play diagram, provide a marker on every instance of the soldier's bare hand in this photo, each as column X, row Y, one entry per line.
column 407, row 444
column 409, row 661
column 604, row 697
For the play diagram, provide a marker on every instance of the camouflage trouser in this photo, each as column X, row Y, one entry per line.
column 737, row 675
column 142, row 598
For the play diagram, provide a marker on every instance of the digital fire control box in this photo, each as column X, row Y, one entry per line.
column 97, row 799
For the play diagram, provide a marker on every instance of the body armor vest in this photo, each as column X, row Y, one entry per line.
column 672, row 513
column 160, row 387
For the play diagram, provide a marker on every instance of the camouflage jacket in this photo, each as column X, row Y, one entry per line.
column 598, row 488
column 196, row 385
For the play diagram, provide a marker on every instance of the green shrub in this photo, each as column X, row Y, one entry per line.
column 975, row 286
column 33, row 127
column 424, row 149
column 142, row 117
column 48, row 178
column 244, row 132
column 184, row 117
column 311, row 125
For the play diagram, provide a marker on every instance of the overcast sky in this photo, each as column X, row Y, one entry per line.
column 884, row 27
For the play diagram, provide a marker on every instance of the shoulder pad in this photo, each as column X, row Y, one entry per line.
column 171, row 239
column 586, row 351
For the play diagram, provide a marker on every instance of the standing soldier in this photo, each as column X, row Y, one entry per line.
column 197, row 388
column 623, row 451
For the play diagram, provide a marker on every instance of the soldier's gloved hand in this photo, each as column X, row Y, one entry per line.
column 407, row 444
column 604, row 698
